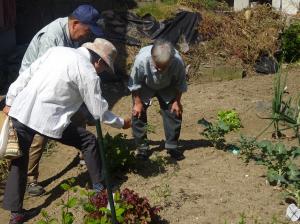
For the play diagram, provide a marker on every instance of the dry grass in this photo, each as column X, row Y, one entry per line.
column 236, row 37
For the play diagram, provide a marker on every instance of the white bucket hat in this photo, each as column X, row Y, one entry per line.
column 105, row 49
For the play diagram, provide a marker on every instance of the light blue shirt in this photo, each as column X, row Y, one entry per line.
column 54, row 34
column 148, row 81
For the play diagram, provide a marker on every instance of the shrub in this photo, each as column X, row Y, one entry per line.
column 291, row 43
column 118, row 154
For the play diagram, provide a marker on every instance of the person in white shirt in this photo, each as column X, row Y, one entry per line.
column 68, row 32
column 43, row 99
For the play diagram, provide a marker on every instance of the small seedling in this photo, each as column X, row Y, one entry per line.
column 247, row 147
column 227, row 121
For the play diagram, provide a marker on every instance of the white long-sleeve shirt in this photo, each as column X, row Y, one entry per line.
column 46, row 95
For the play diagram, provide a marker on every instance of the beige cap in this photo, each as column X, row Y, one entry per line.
column 105, row 49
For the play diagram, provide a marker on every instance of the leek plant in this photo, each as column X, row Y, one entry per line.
column 283, row 111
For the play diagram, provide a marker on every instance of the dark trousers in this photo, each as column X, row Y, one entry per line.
column 172, row 125
column 74, row 136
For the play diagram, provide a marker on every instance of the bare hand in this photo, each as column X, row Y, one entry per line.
column 6, row 109
column 137, row 110
column 177, row 108
column 127, row 123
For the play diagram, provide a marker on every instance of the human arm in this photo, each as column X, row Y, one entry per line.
column 6, row 109
column 180, row 85
column 137, row 104
column 177, row 106
column 89, row 86
column 135, row 85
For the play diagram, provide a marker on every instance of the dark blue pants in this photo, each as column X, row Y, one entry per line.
column 172, row 125
column 74, row 136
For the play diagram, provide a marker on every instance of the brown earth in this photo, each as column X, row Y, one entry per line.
column 209, row 185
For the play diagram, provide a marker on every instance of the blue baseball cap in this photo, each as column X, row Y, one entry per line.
column 88, row 15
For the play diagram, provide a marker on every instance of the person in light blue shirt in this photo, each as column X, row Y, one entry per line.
column 158, row 71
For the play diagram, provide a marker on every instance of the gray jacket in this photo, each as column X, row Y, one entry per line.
column 54, row 34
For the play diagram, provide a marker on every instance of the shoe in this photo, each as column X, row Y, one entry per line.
column 34, row 189
column 23, row 216
column 98, row 187
column 142, row 152
column 176, row 154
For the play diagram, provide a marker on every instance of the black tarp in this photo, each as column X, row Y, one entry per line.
column 119, row 27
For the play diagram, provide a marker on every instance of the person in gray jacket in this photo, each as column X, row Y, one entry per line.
column 158, row 71
column 68, row 32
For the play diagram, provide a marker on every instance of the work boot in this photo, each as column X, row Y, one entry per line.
column 34, row 189
column 142, row 152
column 176, row 154
column 22, row 217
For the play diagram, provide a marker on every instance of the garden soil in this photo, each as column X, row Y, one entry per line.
column 209, row 186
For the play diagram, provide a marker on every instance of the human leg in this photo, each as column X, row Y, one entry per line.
column 35, row 153
column 17, row 177
column 86, row 142
column 172, row 127
column 140, row 134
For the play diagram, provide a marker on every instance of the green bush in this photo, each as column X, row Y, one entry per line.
column 118, row 153
column 291, row 43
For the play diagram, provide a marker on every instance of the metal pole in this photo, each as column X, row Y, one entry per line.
column 105, row 172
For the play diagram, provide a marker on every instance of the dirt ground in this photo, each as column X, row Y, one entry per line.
column 209, row 186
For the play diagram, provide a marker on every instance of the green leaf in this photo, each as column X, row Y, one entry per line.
column 68, row 218
column 281, row 149
column 293, row 173
column 72, row 202
column 295, row 152
column 105, row 210
column 222, row 125
column 117, row 196
column 204, row 123
column 88, row 207
column 120, row 211
column 273, row 176
column 65, row 186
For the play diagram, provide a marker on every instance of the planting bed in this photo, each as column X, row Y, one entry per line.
column 209, row 185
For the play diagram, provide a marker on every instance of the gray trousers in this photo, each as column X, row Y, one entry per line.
column 172, row 125
column 74, row 136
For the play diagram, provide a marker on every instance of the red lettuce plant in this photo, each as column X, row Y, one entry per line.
column 130, row 209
